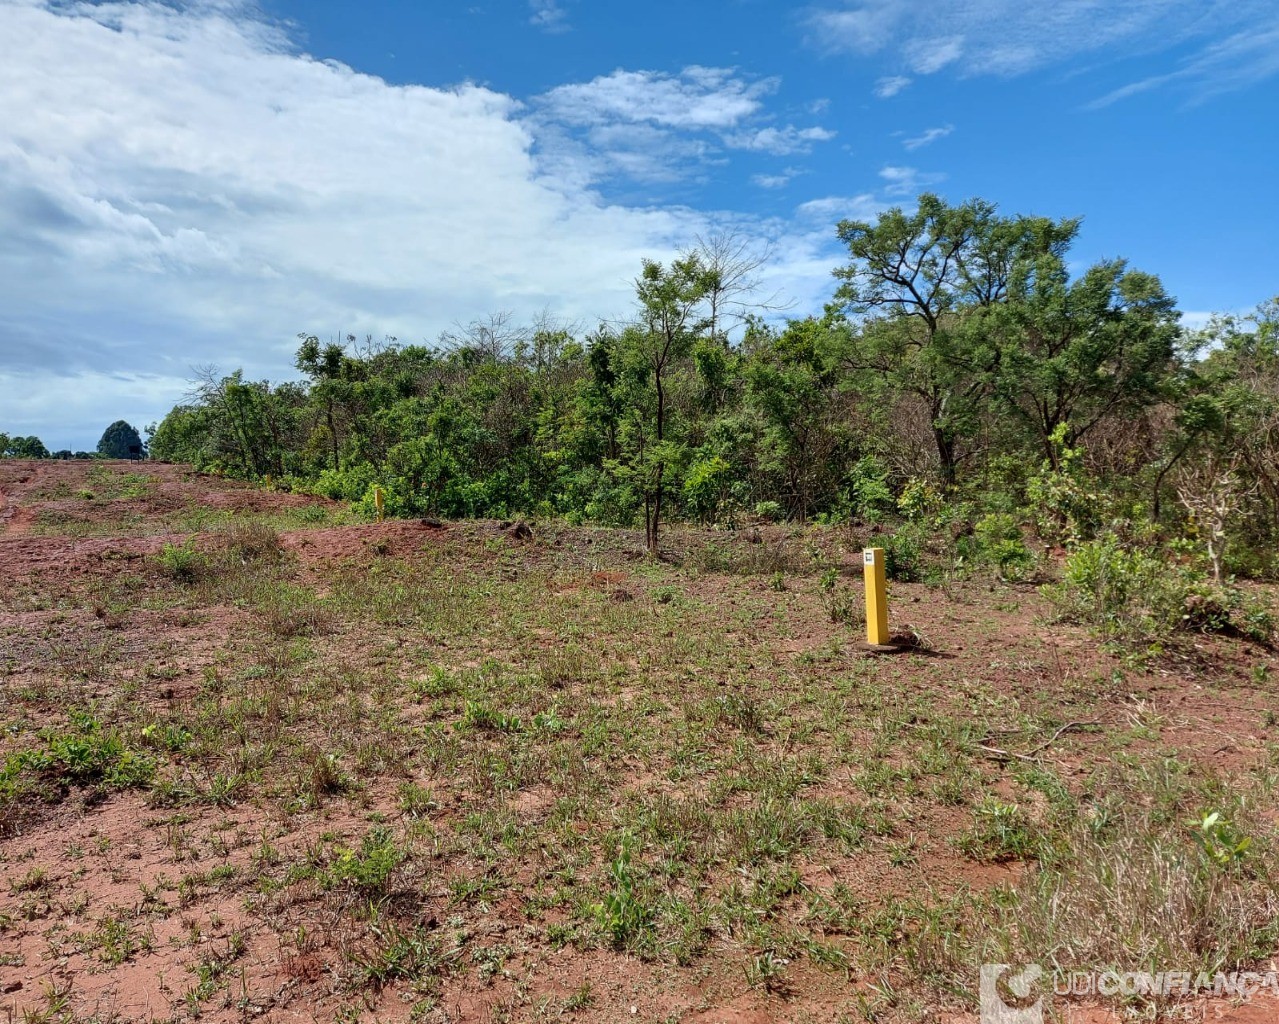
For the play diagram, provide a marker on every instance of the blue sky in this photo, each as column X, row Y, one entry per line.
column 187, row 184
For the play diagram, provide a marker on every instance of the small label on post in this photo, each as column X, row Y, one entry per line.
column 869, row 556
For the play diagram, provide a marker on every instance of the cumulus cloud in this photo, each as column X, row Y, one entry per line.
column 653, row 127
column 180, row 186
column 697, row 97
column 1011, row 37
column 779, row 141
column 177, row 187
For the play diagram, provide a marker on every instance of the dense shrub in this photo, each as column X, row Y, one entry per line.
column 1128, row 593
column 997, row 541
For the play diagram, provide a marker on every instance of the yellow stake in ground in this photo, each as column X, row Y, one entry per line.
column 379, row 502
column 876, row 597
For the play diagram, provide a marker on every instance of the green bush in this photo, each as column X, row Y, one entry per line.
column 348, row 484
column 770, row 510
column 394, row 504
column 181, row 561
column 369, row 869
column 1121, row 592
column 997, row 541
column 868, row 492
column 919, row 500
column 706, row 488
column 1067, row 505
column 1130, row 594
column 903, row 552
column 85, row 755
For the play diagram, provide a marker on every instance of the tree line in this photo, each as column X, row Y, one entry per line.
column 120, row 440
column 959, row 362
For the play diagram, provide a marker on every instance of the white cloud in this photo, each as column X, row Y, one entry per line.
column 1240, row 61
column 891, row 86
column 865, row 27
column 927, row 137
column 779, row 180
column 696, row 98
column 548, row 15
column 902, row 181
column 656, row 127
column 928, row 56
column 179, row 186
column 832, row 209
column 1011, row 37
column 779, row 141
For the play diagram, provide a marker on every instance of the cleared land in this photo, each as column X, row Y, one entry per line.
column 263, row 761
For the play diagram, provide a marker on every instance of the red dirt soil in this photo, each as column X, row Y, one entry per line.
column 99, row 854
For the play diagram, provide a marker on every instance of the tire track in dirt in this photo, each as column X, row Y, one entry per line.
column 7, row 507
column 17, row 478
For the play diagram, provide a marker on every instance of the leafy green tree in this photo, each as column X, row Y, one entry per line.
column 601, row 399
column 792, row 389
column 924, row 278
column 120, row 441
column 1073, row 353
column 328, row 368
column 671, row 318
column 19, row 447
column 1231, row 406
column 253, row 427
column 182, row 436
column 957, row 343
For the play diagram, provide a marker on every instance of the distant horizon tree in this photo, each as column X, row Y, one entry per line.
column 18, row 447
column 121, row 441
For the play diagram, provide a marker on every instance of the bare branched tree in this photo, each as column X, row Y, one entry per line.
column 734, row 261
column 492, row 337
column 1213, row 494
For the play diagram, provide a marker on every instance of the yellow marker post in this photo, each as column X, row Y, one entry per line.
column 378, row 502
column 876, row 597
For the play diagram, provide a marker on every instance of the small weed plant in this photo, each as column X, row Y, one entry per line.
column 622, row 915
column 367, row 870
column 181, row 562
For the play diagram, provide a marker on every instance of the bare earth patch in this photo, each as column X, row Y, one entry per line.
column 263, row 761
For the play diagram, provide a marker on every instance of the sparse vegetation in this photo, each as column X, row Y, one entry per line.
column 416, row 770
